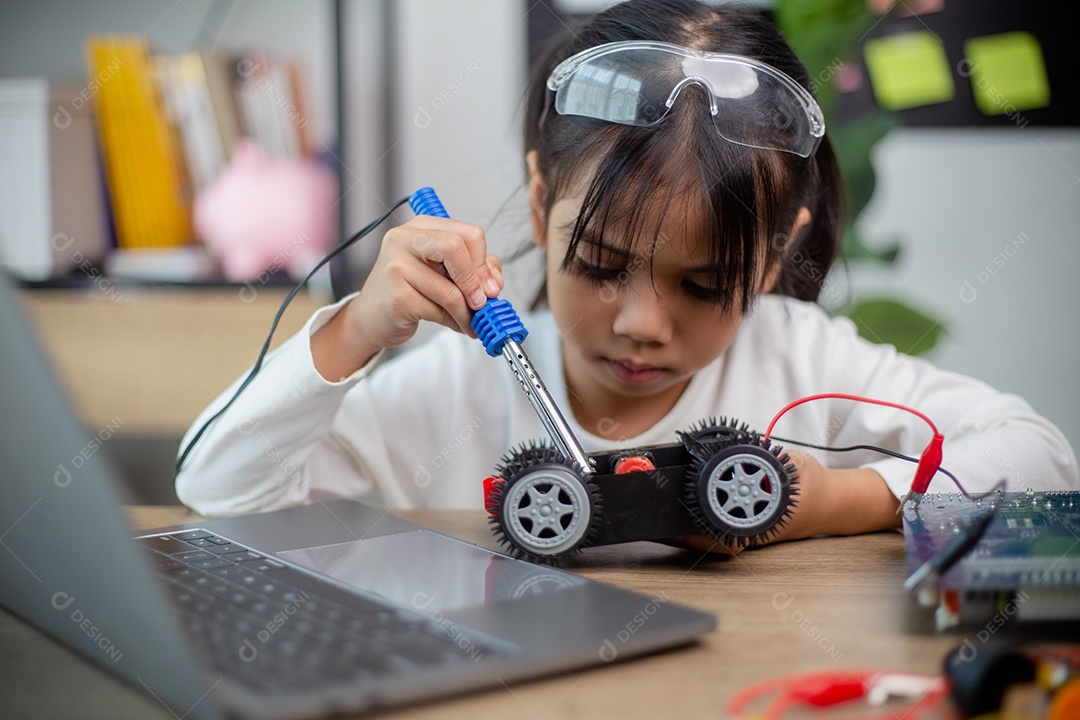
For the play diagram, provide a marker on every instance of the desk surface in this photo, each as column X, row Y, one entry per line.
column 825, row 603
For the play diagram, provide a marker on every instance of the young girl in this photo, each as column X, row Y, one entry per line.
column 685, row 247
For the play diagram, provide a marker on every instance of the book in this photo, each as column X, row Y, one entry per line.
column 146, row 176
column 270, row 110
column 219, row 80
column 189, row 107
column 52, row 204
column 168, row 125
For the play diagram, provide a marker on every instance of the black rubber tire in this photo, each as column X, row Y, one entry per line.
column 741, row 492
column 546, row 511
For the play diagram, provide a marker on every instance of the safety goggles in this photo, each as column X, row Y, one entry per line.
column 636, row 83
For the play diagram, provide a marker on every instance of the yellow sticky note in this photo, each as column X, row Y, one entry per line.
column 909, row 70
column 1007, row 73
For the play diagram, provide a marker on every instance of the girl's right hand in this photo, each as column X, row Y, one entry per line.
column 430, row 268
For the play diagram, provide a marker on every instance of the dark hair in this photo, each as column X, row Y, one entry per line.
column 751, row 198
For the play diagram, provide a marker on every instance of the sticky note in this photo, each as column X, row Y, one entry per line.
column 909, row 70
column 1007, row 73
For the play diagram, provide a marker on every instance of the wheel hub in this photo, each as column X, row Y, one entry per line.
column 547, row 511
column 742, row 490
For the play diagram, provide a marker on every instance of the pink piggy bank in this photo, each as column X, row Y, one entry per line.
column 263, row 214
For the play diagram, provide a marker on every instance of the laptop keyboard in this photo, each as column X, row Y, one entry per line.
column 275, row 629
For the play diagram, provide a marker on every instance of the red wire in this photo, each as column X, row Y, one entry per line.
column 799, row 689
column 856, row 398
column 789, row 690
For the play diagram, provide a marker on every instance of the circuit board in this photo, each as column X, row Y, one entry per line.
column 1033, row 540
column 1027, row 562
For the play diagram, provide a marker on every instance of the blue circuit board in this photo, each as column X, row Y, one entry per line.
column 1033, row 540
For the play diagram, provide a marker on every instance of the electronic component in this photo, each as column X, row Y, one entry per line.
column 1012, row 679
column 1025, row 566
column 929, row 572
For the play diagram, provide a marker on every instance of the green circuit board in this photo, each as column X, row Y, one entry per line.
column 1033, row 540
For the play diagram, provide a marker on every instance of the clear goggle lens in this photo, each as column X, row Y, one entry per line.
column 636, row 83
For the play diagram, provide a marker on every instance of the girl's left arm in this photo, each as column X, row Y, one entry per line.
column 990, row 436
column 839, row 501
column 997, row 438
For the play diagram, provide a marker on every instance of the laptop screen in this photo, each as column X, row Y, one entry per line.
column 428, row 572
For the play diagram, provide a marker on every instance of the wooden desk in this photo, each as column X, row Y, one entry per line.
column 827, row 603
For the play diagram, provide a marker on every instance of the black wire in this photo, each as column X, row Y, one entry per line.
column 998, row 487
column 277, row 318
column 875, row 448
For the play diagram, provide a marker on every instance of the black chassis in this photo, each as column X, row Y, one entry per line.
column 722, row 481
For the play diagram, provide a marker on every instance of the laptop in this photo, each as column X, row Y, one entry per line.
column 331, row 608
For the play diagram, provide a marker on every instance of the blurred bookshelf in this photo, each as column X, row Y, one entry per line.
column 124, row 126
column 369, row 67
column 118, row 120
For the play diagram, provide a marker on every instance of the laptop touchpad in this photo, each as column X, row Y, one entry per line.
column 427, row 572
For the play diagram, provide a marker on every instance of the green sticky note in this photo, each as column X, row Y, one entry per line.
column 1007, row 73
column 909, row 70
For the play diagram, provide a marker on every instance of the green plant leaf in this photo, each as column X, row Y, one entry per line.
column 852, row 143
column 888, row 321
column 824, row 33
column 854, row 247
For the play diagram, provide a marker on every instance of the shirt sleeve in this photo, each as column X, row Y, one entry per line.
column 420, row 430
column 256, row 455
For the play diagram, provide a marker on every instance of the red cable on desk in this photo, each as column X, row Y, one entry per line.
column 826, row 689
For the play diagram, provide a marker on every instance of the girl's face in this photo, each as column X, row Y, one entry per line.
column 635, row 328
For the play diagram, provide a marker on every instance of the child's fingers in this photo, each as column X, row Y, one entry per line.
column 431, row 311
column 461, row 252
column 455, row 257
column 446, row 296
column 495, row 266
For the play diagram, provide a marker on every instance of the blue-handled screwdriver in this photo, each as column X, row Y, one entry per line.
column 502, row 332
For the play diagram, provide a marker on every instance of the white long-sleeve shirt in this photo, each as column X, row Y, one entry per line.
column 425, row 428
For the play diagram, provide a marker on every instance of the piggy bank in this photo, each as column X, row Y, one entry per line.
column 263, row 214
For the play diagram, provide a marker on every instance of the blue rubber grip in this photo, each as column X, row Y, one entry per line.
column 425, row 202
column 497, row 322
